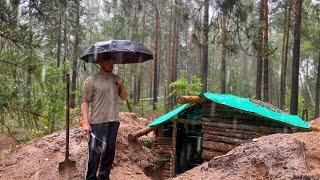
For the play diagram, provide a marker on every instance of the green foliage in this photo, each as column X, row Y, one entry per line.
column 147, row 142
column 183, row 87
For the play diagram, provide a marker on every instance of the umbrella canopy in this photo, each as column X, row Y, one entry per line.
column 122, row 51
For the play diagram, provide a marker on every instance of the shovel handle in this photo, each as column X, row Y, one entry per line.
column 67, row 114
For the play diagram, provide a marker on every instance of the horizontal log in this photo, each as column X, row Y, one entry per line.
column 163, row 139
column 227, row 140
column 212, row 128
column 217, row 146
column 190, row 99
column 228, row 134
column 245, row 127
column 248, row 121
column 164, row 146
column 135, row 136
column 208, row 155
column 163, row 151
column 188, row 121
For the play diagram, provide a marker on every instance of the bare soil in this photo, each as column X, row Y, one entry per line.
column 40, row 158
column 278, row 156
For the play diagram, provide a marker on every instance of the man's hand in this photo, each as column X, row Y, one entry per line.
column 122, row 89
column 119, row 80
column 85, row 112
column 87, row 127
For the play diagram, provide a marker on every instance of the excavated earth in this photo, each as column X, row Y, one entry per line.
column 278, row 156
column 40, row 158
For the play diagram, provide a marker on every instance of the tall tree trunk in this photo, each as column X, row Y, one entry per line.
column 31, row 53
column 65, row 39
column 75, row 54
column 141, row 66
column 317, row 110
column 223, row 54
column 317, row 102
column 175, row 51
column 204, row 65
column 259, row 54
column 265, row 60
column 186, row 60
column 59, row 39
column 155, row 59
column 284, row 55
column 295, row 59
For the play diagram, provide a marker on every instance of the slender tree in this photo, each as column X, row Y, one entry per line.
column 295, row 59
column 317, row 102
column 284, row 55
column 317, row 107
column 259, row 53
column 155, row 59
column 223, row 53
column 265, row 52
column 204, row 64
column 75, row 53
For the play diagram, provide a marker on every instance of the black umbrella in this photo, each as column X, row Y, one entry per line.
column 122, row 51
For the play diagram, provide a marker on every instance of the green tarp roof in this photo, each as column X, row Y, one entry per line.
column 244, row 104
column 168, row 116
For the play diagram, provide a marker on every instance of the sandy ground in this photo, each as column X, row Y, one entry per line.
column 39, row 159
column 278, row 156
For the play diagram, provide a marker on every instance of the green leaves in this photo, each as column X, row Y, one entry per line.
column 183, row 87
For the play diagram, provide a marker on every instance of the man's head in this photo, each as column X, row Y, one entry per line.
column 106, row 65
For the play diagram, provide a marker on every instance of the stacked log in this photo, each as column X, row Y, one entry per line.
column 224, row 128
column 164, row 147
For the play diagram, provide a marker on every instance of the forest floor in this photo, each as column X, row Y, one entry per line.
column 40, row 158
column 278, row 156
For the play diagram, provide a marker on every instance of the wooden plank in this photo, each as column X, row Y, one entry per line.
column 244, row 127
column 187, row 121
column 212, row 128
column 135, row 136
column 223, row 139
column 228, row 134
column 208, row 155
column 190, row 99
column 217, row 146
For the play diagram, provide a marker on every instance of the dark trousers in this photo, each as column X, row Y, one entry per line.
column 101, row 152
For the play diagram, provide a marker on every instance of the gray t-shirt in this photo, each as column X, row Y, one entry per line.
column 101, row 91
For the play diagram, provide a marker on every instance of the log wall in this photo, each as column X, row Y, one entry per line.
column 165, row 148
column 224, row 128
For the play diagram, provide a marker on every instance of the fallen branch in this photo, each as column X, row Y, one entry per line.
column 135, row 136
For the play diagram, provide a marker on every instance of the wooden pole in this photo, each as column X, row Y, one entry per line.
column 190, row 99
column 135, row 136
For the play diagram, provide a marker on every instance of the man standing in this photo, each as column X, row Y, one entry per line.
column 101, row 91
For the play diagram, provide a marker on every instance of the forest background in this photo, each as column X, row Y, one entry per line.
column 262, row 49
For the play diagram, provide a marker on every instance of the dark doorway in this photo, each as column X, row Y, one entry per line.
column 188, row 147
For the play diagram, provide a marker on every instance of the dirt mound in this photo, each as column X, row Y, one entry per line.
column 39, row 159
column 278, row 156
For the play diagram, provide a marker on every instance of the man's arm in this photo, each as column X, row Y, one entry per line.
column 86, row 99
column 123, row 93
column 85, row 116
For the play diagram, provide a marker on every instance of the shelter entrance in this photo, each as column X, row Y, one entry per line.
column 188, row 147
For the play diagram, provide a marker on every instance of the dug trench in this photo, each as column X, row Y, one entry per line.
column 278, row 156
column 40, row 158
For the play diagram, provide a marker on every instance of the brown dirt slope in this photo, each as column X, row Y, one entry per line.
column 39, row 159
column 278, row 156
